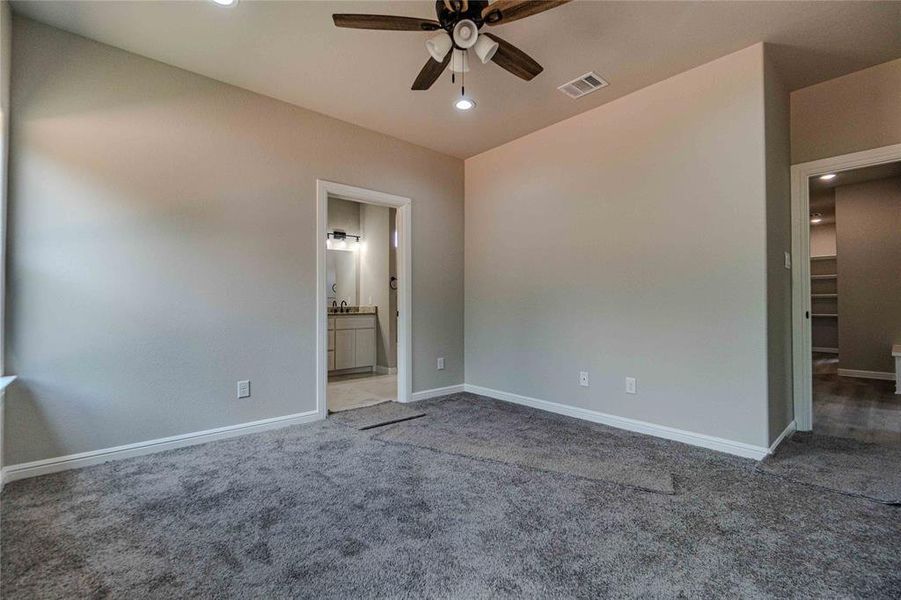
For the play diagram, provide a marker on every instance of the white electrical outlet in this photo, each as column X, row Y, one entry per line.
column 244, row 388
column 441, row 363
column 583, row 378
column 631, row 385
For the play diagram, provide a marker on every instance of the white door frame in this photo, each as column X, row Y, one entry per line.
column 324, row 190
column 802, row 359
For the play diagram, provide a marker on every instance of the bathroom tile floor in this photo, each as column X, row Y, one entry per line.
column 346, row 392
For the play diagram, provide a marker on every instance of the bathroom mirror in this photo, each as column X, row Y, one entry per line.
column 341, row 274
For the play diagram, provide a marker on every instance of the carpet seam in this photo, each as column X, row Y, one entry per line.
column 817, row 486
column 500, row 462
column 386, row 423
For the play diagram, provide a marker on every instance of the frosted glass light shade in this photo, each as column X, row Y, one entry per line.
column 439, row 46
column 459, row 61
column 485, row 48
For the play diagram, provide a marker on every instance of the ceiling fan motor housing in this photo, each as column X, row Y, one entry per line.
column 450, row 18
column 466, row 33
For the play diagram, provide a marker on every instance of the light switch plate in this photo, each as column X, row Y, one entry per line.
column 631, row 385
column 244, row 388
column 788, row 261
column 441, row 363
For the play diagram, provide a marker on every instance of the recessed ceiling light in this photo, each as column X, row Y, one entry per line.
column 465, row 103
column 827, row 177
column 225, row 2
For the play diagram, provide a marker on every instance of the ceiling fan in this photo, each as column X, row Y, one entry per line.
column 460, row 23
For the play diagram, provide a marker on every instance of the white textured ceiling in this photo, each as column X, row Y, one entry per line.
column 292, row 51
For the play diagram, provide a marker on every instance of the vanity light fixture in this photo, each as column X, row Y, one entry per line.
column 827, row 177
column 816, row 218
column 339, row 240
column 225, row 2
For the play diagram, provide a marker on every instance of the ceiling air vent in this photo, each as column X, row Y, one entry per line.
column 585, row 84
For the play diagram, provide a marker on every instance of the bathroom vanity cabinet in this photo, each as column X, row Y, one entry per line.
column 351, row 341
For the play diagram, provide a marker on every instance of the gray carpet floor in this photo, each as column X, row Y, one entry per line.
column 536, row 440
column 844, row 465
column 326, row 511
column 379, row 415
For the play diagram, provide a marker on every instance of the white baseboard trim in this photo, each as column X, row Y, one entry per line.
column 789, row 430
column 385, row 370
column 436, row 392
column 866, row 374
column 670, row 433
column 96, row 457
column 825, row 350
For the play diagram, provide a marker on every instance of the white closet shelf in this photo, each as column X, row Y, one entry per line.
column 824, row 316
column 824, row 257
column 824, row 295
column 824, row 276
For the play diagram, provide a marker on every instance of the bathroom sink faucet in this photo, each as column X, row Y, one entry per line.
column 343, row 305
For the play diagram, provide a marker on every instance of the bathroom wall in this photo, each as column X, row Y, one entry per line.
column 344, row 215
column 375, row 272
column 343, row 265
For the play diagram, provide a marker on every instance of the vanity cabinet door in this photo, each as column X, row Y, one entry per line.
column 345, row 348
column 365, row 348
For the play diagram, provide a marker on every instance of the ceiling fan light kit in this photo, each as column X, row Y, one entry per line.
column 439, row 46
column 466, row 33
column 461, row 22
column 460, row 61
column 485, row 48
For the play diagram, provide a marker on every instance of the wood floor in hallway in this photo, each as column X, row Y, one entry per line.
column 852, row 407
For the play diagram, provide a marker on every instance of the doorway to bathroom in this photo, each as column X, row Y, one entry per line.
column 363, row 294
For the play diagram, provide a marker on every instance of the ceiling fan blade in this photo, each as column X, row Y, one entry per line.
column 385, row 22
column 430, row 73
column 514, row 60
column 504, row 11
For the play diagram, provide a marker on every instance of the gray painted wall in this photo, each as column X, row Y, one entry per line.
column 5, row 63
column 856, row 112
column 868, row 237
column 631, row 240
column 162, row 246
column 374, row 273
column 5, row 66
column 778, row 242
